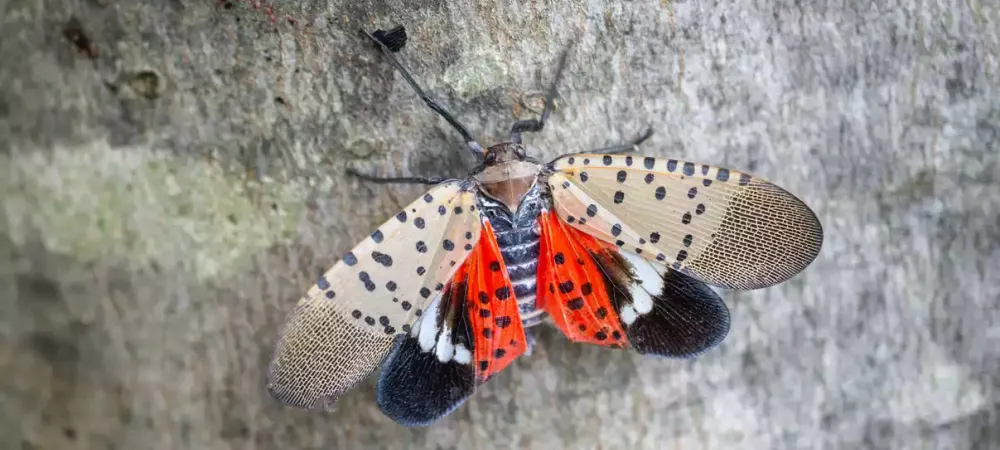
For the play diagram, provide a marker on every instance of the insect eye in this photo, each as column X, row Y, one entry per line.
column 491, row 158
column 519, row 152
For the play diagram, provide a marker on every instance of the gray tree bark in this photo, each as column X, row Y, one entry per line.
column 174, row 181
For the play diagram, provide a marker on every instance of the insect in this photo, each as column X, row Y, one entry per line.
column 612, row 248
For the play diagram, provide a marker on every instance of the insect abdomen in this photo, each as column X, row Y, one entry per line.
column 519, row 247
column 518, row 239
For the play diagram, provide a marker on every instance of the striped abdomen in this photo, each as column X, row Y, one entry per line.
column 518, row 236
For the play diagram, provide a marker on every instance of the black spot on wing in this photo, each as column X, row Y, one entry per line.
column 366, row 280
column 417, row 389
column 687, row 319
column 350, row 259
column 382, row 258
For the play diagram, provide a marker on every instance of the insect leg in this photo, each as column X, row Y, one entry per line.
column 634, row 146
column 400, row 180
column 533, row 125
column 469, row 140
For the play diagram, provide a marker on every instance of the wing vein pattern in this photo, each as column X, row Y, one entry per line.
column 345, row 325
column 722, row 227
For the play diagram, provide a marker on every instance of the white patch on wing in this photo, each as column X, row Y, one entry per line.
column 628, row 314
column 648, row 282
column 462, row 354
column 415, row 329
column 428, row 327
column 445, row 349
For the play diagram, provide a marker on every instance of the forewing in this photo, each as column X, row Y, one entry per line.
column 344, row 326
column 722, row 227
column 572, row 288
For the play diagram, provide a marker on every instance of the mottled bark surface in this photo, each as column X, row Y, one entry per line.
column 165, row 202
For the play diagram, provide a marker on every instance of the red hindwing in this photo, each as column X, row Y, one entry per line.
column 498, row 335
column 571, row 286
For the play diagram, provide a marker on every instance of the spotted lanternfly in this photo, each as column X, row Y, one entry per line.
column 612, row 248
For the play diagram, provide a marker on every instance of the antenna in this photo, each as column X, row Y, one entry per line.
column 534, row 125
column 392, row 41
